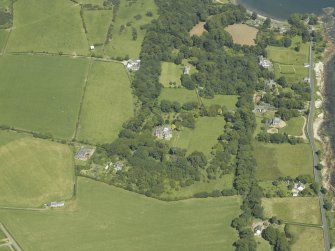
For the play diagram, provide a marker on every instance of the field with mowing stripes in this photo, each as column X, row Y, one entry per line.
column 107, row 103
column 50, row 26
column 123, row 221
column 33, row 171
column 41, row 93
column 170, row 73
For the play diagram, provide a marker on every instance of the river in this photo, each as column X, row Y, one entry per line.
column 281, row 9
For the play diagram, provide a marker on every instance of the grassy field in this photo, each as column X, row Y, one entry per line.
column 288, row 62
column 100, row 2
column 183, row 96
column 262, row 245
column 294, row 126
column 293, row 209
column 281, row 160
column 170, row 73
column 3, row 39
column 122, row 43
column 202, row 138
column 198, row 29
column 97, row 23
column 242, row 34
column 107, row 103
column 51, row 26
column 307, row 238
column 41, row 93
column 33, row 171
column 108, row 218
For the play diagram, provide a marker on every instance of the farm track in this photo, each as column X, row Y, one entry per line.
column 11, row 240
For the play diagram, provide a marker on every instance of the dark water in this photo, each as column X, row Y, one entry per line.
column 281, row 9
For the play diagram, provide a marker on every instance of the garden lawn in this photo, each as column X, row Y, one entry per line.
column 293, row 209
column 108, row 103
column 50, row 26
column 41, row 93
column 171, row 73
column 306, row 238
column 122, row 43
column 294, row 126
column 202, row 138
column 281, row 160
column 97, row 23
column 109, row 218
column 183, row 95
column 33, row 171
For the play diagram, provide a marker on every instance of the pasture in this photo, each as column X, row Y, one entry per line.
column 107, row 104
column 97, row 23
column 131, row 16
column 293, row 209
column 242, row 34
column 183, row 95
column 198, row 29
column 33, row 171
column 3, row 39
column 170, row 73
column 47, row 26
column 294, row 126
column 99, row 2
column 281, row 160
column 306, row 238
column 109, row 218
column 41, row 93
column 202, row 138
column 288, row 62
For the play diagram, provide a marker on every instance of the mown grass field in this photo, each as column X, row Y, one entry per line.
column 307, row 238
column 293, row 209
column 109, row 218
column 281, row 160
column 294, row 126
column 50, row 26
column 242, row 34
column 100, row 2
column 288, row 62
column 183, row 95
column 33, row 171
column 97, row 23
column 41, row 93
column 202, row 138
column 170, row 73
column 107, row 103
column 3, row 39
column 122, row 43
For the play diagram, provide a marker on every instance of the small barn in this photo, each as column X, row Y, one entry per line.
column 55, row 204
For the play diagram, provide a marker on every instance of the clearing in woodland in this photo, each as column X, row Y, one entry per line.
column 121, row 220
column 47, row 26
column 242, row 34
column 198, row 29
column 41, row 93
column 33, row 171
column 108, row 103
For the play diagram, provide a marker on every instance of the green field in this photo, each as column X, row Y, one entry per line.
column 33, row 171
column 109, row 218
column 171, row 73
column 183, row 95
column 293, row 209
column 281, row 160
column 3, row 39
column 294, row 126
column 97, row 23
column 307, row 238
column 122, row 43
column 41, row 93
column 202, row 138
column 288, row 62
column 100, row 2
column 5, row 248
column 50, row 26
column 107, row 103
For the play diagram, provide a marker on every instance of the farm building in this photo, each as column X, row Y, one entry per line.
column 84, row 153
column 187, row 69
column 258, row 230
column 163, row 132
column 92, row 47
column 55, row 204
column 265, row 63
column 297, row 188
column 133, row 65
column 118, row 166
column 274, row 122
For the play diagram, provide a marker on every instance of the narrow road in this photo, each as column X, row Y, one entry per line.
column 310, row 135
column 11, row 240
